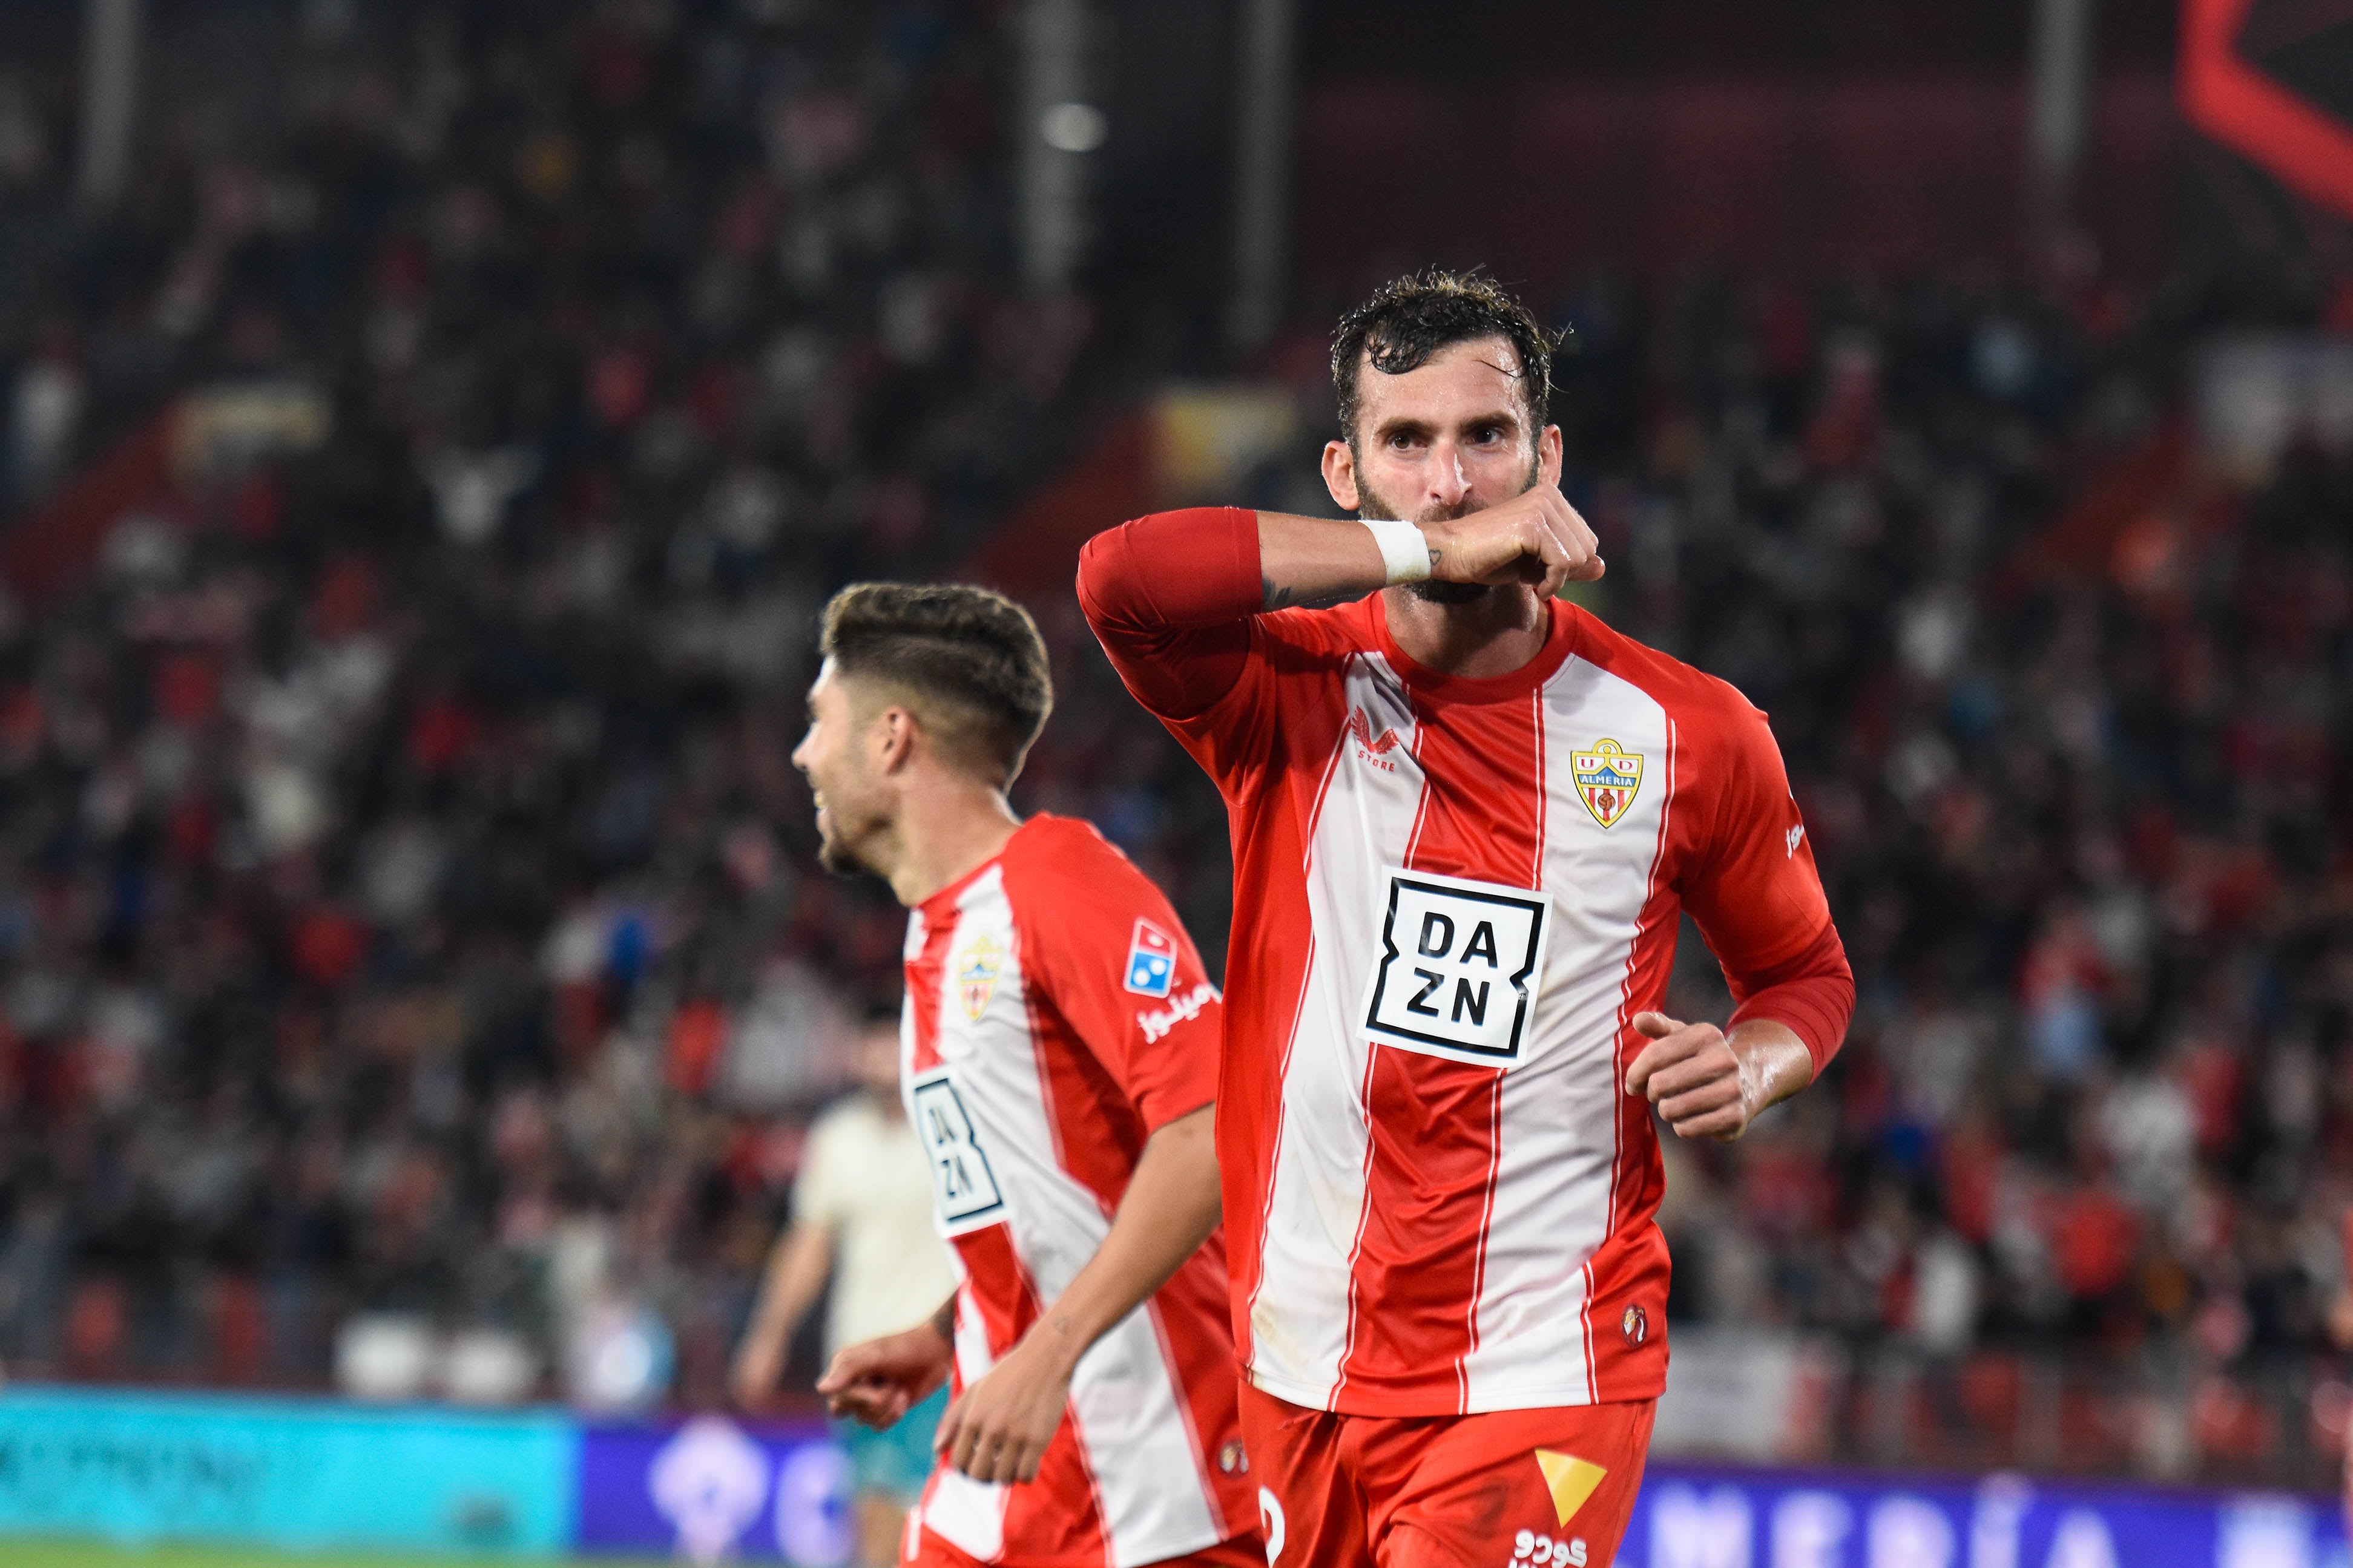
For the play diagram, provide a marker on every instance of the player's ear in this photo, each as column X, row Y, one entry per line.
column 1548, row 454
column 1340, row 474
column 894, row 739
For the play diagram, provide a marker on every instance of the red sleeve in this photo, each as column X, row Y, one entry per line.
column 1170, row 598
column 1759, row 898
column 1159, row 1043
column 1814, row 994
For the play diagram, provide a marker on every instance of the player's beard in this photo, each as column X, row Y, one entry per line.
column 1429, row 590
column 836, row 849
column 836, row 857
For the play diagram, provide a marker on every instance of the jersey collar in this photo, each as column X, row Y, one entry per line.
column 1558, row 644
column 942, row 904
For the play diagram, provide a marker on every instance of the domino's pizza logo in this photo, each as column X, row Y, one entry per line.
column 1151, row 960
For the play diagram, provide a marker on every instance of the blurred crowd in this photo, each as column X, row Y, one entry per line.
column 2063, row 690
column 406, row 905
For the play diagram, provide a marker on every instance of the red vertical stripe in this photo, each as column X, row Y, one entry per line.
column 1431, row 1160
column 925, row 973
column 989, row 1254
column 1097, row 1134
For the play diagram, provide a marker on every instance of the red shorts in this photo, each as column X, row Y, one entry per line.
column 928, row 1551
column 1513, row 1488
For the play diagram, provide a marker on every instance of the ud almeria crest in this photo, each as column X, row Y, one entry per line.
column 1607, row 778
column 984, row 961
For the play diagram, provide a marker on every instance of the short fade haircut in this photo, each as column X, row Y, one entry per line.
column 1410, row 318
column 967, row 661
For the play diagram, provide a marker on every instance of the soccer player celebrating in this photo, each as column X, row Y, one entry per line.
column 1058, row 1060
column 1467, row 820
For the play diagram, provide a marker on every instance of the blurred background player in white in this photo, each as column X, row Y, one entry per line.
column 1060, row 1062
column 862, row 1216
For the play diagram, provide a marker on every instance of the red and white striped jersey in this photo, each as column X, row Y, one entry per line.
column 1451, row 898
column 1056, row 1015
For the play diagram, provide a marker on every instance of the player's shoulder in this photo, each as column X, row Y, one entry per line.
column 1332, row 631
column 1065, row 861
column 1082, row 905
column 1690, row 695
column 1048, row 845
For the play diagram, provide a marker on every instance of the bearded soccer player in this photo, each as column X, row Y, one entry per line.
column 1467, row 820
column 1058, row 1060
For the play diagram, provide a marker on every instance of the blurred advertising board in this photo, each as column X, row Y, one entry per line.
column 1756, row 1396
column 294, row 1473
column 707, row 1489
column 1707, row 1516
column 314, row 1473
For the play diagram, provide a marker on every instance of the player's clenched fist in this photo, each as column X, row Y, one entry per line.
column 1691, row 1073
column 1536, row 537
column 878, row 1381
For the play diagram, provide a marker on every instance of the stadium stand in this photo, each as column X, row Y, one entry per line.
column 406, row 907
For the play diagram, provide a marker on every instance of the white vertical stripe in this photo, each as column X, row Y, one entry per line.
column 1556, row 1144
column 1138, row 1442
column 968, row 1513
column 1299, row 1317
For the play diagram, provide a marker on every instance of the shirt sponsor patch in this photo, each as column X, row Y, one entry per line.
column 1157, row 1023
column 1151, row 960
column 962, row 1184
column 1459, row 965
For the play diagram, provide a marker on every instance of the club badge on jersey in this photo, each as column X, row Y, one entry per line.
column 976, row 975
column 1151, row 960
column 1607, row 779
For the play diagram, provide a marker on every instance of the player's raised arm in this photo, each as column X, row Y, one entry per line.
column 1535, row 538
column 1166, row 593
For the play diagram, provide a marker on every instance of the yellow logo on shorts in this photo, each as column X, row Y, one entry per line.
column 1607, row 779
column 1570, row 1480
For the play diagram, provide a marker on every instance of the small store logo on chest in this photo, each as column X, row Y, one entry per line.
column 1369, row 748
column 1607, row 778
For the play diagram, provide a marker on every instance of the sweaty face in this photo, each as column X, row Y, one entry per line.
column 848, row 808
column 1445, row 439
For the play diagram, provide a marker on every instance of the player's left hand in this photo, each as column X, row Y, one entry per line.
column 998, row 1428
column 1691, row 1073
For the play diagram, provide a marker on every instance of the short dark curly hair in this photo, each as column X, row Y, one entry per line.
column 1410, row 318
column 967, row 661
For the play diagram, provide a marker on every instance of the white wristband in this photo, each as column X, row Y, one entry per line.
column 1403, row 549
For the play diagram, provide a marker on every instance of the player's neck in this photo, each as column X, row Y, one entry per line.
column 949, row 827
column 1494, row 634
